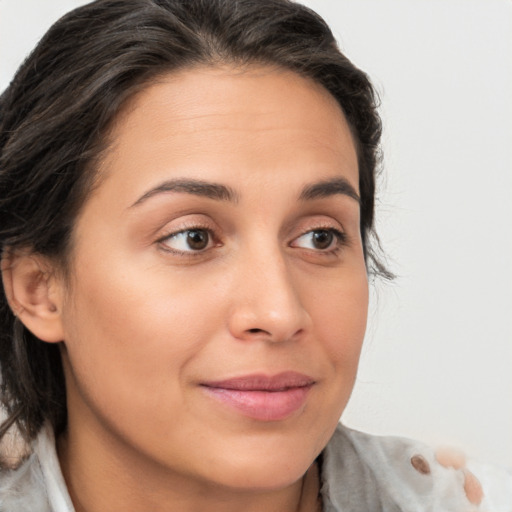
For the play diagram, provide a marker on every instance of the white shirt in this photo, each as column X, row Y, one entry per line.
column 359, row 473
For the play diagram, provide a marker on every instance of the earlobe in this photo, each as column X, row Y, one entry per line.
column 34, row 294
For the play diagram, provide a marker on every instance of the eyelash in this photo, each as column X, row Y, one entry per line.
column 161, row 241
column 340, row 236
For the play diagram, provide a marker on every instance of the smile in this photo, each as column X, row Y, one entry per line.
column 261, row 397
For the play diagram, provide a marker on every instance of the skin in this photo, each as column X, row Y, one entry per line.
column 145, row 320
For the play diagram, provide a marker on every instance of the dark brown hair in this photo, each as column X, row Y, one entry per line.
column 55, row 115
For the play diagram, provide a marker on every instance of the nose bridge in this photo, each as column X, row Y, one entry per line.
column 267, row 303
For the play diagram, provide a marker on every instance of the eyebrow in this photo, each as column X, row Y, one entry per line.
column 220, row 192
column 195, row 187
column 328, row 188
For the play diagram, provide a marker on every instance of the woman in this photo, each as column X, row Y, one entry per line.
column 186, row 211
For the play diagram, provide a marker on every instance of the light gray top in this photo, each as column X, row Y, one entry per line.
column 359, row 472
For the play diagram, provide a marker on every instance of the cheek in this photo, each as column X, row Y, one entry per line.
column 340, row 315
column 133, row 304
column 130, row 336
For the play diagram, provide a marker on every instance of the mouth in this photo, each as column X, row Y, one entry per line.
column 262, row 397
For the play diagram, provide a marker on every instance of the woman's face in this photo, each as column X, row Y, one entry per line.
column 218, row 299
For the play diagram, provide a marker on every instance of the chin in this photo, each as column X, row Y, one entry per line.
column 268, row 475
column 264, row 464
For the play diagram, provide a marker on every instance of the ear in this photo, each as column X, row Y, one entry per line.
column 34, row 293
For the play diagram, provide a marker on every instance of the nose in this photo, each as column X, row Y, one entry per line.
column 266, row 302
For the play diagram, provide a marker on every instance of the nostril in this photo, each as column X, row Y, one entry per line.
column 256, row 331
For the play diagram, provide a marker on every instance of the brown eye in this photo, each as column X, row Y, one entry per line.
column 197, row 239
column 188, row 240
column 322, row 239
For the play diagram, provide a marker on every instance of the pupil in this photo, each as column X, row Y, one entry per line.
column 197, row 239
column 322, row 239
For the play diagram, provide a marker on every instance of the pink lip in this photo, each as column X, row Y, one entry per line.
column 262, row 397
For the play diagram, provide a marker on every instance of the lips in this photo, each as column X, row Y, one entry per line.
column 262, row 397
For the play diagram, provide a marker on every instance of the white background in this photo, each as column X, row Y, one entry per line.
column 437, row 363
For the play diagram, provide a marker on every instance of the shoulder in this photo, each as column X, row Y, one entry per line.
column 23, row 489
column 384, row 473
column 36, row 483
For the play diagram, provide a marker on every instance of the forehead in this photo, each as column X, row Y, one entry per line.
column 255, row 123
